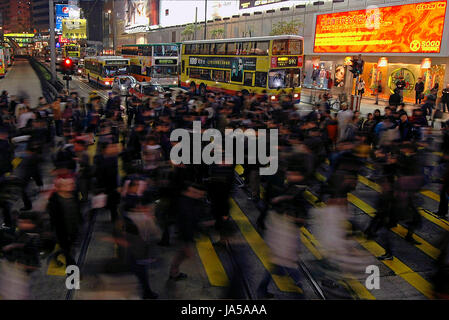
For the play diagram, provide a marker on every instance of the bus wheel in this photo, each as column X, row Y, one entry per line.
column 202, row 89
column 193, row 87
column 245, row 92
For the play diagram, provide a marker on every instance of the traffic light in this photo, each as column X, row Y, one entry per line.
column 353, row 67
column 67, row 66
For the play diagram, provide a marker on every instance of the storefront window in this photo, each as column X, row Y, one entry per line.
column 319, row 74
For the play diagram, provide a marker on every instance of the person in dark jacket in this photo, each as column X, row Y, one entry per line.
column 445, row 98
column 400, row 86
column 190, row 207
column 106, row 173
column 395, row 98
column 419, row 89
column 65, row 215
column 405, row 128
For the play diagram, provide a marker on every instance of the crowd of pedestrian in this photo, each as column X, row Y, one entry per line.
column 152, row 193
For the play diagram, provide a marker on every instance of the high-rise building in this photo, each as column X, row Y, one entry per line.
column 92, row 11
column 16, row 15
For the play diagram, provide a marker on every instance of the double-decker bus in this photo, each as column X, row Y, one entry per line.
column 71, row 51
column 3, row 63
column 251, row 65
column 155, row 63
column 102, row 69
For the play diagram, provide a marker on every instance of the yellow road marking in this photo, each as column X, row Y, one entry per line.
column 425, row 247
column 310, row 242
column 439, row 222
column 260, row 248
column 212, row 264
column 53, row 269
column 16, row 162
column 395, row 265
column 430, row 194
column 313, row 246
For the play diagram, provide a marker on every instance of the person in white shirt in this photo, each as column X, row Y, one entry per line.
column 25, row 117
column 343, row 118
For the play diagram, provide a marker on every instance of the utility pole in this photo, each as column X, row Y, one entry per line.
column 51, row 11
column 113, row 27
column 196, row 20
column 205, row 19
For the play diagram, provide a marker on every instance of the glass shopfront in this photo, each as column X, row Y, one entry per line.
column 388, row 75
column 319, row 74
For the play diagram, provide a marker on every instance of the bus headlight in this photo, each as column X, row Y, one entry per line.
column 296, row 95
column 175, row 82
column 106, row 83
column 273, row 97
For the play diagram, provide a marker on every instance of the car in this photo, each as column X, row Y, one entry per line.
column 143, row 90
column 123, row 84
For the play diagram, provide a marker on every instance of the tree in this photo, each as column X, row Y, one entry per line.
column 283, row 27
column 189, row 31
column 217, row 33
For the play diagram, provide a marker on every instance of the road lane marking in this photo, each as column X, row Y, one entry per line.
column 397, row 266
column 211, row 263
column 425, row 247
column 261, row 249
column 442, row 223
column 314, row 247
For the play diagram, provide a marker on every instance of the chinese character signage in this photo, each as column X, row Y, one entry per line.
column 409, row 28
column 74, row 28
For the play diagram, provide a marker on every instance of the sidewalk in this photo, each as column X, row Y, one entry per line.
column 368, row 106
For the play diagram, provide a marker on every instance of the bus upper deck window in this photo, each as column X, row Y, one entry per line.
column 280, row 47
column 220, row 48
column 295, row 47
column 262, row 48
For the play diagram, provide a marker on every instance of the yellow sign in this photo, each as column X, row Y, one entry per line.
column 19, row 35
column 74, row 28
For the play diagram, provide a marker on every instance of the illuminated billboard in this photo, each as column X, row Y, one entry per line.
column 410, row 28
column 74, row 29
column 140, row 14
column 64, row 11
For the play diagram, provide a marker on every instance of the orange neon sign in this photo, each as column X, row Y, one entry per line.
column 410, row 28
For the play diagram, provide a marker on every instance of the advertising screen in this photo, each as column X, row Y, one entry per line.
column 410, row 28
column 141, row 14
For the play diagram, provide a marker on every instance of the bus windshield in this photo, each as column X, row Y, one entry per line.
column 112, row 71
column 283, row 78
column 163, row 71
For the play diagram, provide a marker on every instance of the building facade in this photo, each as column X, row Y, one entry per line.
column 324, row 65
column 16, row 16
